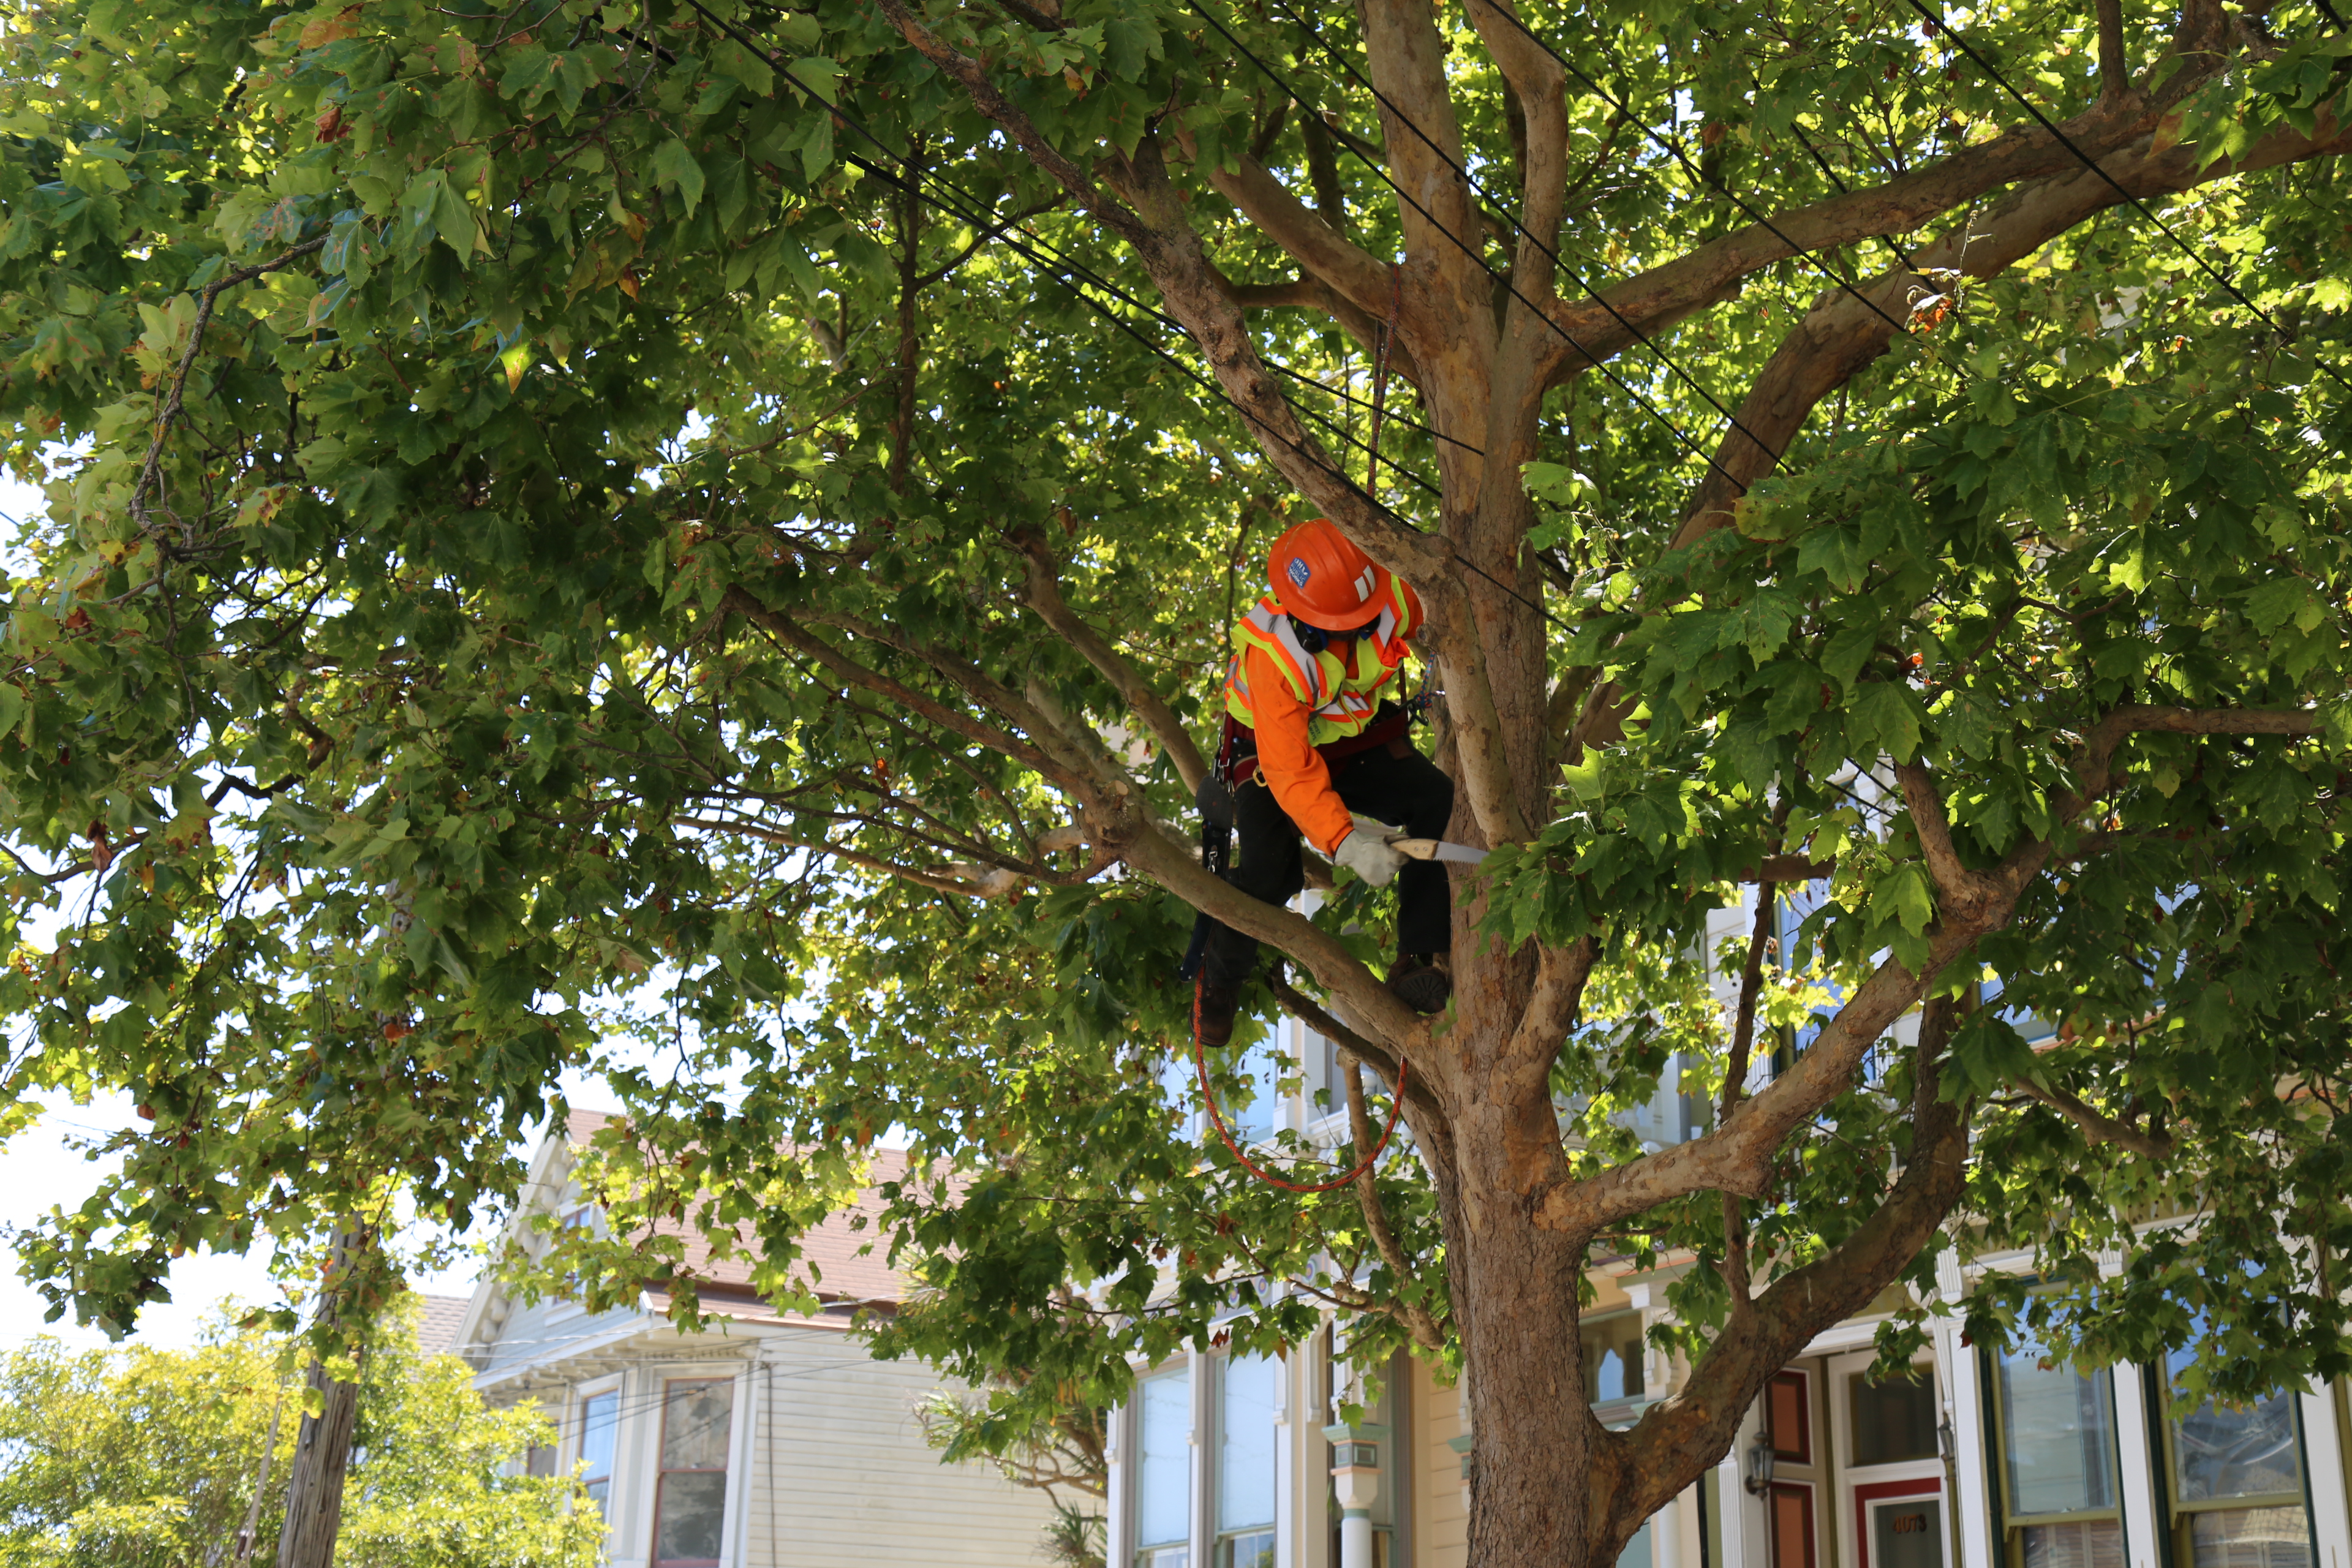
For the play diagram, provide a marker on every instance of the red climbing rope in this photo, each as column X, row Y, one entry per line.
column 1201, row 1061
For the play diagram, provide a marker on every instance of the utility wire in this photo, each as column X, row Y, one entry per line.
column 1674, row 149
column 911, row 183
column 1210, row 384
column 1464, row 175
column 1479, row 260
column 1936, row 21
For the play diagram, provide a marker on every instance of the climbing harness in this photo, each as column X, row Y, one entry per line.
column 1208, row 1098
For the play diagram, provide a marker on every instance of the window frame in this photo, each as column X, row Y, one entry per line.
column 2014, row 1525
column 1222, row 1540
column 1178, row 1549
column 2180, row 1516
column 607, row 1388
column 1637, row 1365
column 662, row 1470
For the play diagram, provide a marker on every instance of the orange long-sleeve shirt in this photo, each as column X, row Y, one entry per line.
column 1292, row 768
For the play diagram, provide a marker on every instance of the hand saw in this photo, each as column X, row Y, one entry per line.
column 1437, row 849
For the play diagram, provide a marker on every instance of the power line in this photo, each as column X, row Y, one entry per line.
column 1470, row 180
column 1936, row 21
column 911, row 182
column 1480, row 262
column 1674, row 149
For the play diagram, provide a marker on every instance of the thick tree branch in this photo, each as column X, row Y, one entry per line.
column 1311, row 239
column 1957, row 887
column 1739, row 1155
column 2096, row 1125
column 1681, row 1435
column 1841, row 334
column 2095, row 758
column 1898, row 206
column 1407, row 61
column 1045, row 596
column 1537, row 82
column 1561, row 973
column 1159, row 855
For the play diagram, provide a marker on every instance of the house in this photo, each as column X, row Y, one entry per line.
column 768, row 1440
column 1982, row 1461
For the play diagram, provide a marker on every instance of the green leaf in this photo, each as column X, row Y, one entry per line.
column 1904, row 896
column 1884, row 717
column 675, row 168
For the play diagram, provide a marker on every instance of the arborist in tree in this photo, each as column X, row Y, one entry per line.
column 1310, row 746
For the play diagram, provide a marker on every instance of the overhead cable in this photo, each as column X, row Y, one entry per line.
column 1464, row 175
column 1936, row 21
column 1479, row 260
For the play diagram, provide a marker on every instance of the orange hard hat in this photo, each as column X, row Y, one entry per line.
column 1320, row 578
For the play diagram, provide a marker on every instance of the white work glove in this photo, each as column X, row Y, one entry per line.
column 1367, row 852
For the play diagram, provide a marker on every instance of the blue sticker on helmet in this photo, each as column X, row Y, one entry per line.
column 1298, row 572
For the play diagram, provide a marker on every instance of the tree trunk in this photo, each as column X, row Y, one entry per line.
column 1515, row 1293
column 314, row 1498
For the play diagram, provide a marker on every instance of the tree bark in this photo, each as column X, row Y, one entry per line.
column 322, row 1443
column 314, row 1497
column 1515, row 1306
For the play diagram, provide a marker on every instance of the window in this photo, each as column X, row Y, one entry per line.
column 1163, row 1469
column 2236, row 1480
column 581, row 1219
column 600, row 1419
column 1893, row 1421
column 1246, row 1391
column 1789, row 1501
column 690, row 1502
column 2057, row 1466
column 1612, row 1358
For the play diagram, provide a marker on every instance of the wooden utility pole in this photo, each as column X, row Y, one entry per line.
column 323, row 1444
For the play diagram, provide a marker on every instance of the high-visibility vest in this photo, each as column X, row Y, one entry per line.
column 1340, row 701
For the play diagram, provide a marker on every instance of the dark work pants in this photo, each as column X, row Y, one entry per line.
column 1408, row 792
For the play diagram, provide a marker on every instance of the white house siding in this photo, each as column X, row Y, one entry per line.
column 844, row 1475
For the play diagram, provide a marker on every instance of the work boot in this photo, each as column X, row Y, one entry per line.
column 1213, row 1007
column 1421, row 982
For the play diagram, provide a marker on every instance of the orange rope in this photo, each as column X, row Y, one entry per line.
column 1201, row 1061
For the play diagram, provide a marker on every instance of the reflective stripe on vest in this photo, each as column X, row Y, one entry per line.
column 1341, row 702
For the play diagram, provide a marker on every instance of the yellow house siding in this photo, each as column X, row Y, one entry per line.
column 1441, row 1524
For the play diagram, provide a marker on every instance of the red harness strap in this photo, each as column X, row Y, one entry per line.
column 1209, row 1098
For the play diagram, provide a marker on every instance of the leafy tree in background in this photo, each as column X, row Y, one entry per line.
column 682, row 505
column 136, row 1457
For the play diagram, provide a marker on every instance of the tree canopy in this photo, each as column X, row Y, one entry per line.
column 139, row 1456
column 721, row 520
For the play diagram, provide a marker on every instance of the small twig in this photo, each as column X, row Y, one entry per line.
column 174, row 400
